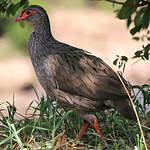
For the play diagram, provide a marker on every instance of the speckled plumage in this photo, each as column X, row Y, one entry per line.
column 81, row 81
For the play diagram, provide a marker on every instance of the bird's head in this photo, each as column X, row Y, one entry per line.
column 34, row 14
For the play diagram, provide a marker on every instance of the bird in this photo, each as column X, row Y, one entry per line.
column 81, row 81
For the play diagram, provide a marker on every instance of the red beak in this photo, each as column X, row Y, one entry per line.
column 19, row 18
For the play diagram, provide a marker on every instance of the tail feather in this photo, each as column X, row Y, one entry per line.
column 125, row 108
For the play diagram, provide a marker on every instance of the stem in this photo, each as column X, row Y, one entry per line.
column 141, row 3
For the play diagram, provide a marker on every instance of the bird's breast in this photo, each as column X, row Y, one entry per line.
column 41, row 63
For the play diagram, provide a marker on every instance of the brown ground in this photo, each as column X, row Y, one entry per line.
column 98, row 32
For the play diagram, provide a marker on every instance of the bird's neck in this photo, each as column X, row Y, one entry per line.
column 43, row 29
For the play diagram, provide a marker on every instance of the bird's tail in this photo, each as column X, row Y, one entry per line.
column 125, row 108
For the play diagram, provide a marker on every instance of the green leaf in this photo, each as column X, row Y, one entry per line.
column 127, row 9
column 115, row 61
column 129, row 21
column 138, row 20
column 15, row 1
column 135, row 29
column 24, row 3
column 138, row 53
column 146, row 18
column 3, row 6
column 136, row 38
column 11, row 10
column 60, row 121
column 124, row 58
column 146, row 51
column 11, row 136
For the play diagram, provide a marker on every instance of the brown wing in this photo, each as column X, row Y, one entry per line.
column 81, row 74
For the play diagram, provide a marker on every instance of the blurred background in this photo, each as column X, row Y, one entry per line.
column 87, row 24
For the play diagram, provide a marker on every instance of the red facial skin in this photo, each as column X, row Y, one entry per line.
column 24, row 15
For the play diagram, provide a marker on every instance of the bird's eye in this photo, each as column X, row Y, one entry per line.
column 28, row 12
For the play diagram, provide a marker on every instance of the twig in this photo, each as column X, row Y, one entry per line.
column 138, row 120
column 142, row 3
column 115, row 2
column 137, row 117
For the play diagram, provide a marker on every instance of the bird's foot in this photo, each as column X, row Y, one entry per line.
column 85, row 127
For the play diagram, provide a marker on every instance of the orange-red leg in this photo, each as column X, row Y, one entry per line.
column 83, row 129
column 97, row 127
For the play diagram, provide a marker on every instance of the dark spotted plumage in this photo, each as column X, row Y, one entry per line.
column 81, row 81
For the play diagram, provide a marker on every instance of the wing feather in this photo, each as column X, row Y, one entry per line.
column 82, row 74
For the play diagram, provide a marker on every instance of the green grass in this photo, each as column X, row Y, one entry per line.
column 46, row 120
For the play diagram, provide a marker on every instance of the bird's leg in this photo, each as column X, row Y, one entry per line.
column 74, row 101
column 95, row 125
column 90, row 119
column 83, row 129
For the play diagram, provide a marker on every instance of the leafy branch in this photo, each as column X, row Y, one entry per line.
column 143, row 54
column 138, row 4
column 10, row 8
